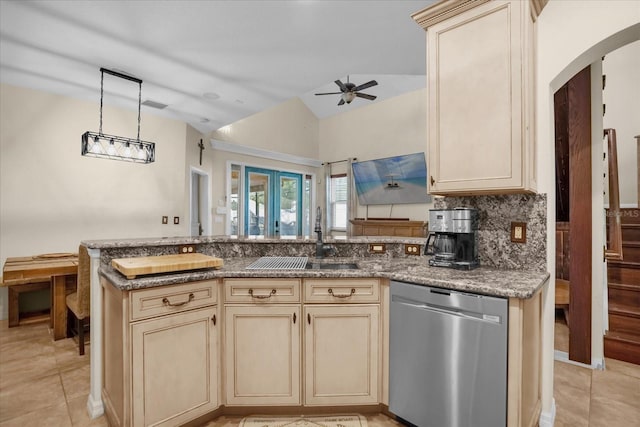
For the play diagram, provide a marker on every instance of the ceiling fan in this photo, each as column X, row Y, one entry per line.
column 349, row 91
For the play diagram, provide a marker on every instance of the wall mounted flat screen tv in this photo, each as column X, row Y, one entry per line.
column 392, row 180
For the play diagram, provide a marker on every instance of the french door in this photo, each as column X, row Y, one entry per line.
column 272, row 203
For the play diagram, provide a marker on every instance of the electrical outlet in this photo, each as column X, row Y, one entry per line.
column 165, row 219
column 411, row 249
column 377, row 248
column 186, row 249
column 519, row 232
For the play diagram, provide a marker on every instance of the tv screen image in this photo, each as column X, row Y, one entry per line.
column 392, row 180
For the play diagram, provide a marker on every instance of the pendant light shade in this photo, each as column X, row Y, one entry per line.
column 118, row 147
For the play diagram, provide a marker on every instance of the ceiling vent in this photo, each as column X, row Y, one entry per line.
column 154, row 104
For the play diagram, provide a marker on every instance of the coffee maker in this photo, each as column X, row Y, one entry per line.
column 455, row 238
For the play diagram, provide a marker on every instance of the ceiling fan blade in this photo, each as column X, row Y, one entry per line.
column 341, row 101
column 329, row 93
column 365, row 85
column 366, row 96
column 341, row 85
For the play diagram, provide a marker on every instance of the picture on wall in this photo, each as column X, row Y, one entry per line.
column 392, row 180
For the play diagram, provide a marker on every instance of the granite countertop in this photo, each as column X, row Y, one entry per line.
column 187, row 240
column 415, row 269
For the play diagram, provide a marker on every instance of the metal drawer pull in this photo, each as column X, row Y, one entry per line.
column 273, row 292
column 166, row 302
column 309, row 318
column 294, row 318
column 353, row 291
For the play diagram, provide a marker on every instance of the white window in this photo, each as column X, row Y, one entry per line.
column 338, row 202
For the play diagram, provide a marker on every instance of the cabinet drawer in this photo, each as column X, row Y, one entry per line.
column 262, row 290
column 171, row 299
column 341, row 290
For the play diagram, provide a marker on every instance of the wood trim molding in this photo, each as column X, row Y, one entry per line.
column 443, row 10
column 265, row 154
column 536, row 8
column 638, row 177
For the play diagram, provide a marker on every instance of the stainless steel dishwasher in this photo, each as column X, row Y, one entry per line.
column 448, row 357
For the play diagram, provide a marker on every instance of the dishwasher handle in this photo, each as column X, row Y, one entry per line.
column 471, row 315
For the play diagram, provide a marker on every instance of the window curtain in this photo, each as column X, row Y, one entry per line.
column 326, row 218
column 352, row 206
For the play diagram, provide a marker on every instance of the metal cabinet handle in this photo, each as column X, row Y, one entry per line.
column 166, row 302
column 433, row 181
column 309, row 318
column 273, row 292
column 214, row 320
column 294, row 318
column 353, row 291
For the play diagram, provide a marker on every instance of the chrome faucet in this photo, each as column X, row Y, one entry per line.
column 321, row 248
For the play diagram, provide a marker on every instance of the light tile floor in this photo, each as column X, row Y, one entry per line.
column 46, row 383
column 592, row 398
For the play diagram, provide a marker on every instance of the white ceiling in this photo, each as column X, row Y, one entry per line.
column 252, row 54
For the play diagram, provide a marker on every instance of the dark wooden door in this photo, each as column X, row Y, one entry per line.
column 573, row 137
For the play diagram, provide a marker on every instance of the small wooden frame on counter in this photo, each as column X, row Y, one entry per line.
column 402, row 227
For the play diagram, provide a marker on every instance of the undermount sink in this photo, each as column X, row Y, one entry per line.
column 331, row 266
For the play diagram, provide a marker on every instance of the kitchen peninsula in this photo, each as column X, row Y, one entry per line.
column 228, row 310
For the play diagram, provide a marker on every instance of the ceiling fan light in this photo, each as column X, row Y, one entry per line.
column 348, row 97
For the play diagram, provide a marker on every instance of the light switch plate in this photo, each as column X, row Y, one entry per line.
column 519, row 232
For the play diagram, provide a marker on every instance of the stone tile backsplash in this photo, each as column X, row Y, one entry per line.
column 496, row 213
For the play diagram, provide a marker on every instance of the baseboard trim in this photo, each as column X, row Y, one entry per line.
column 563, row 356
column 547, row 419
column 94, row 407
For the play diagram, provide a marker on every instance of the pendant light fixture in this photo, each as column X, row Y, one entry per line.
column 118, row 147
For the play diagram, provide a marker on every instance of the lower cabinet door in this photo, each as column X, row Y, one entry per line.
column 341, row 354
column 174, row 368
column 262, row 355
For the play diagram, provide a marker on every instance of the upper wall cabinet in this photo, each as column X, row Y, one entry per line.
column 480, row 96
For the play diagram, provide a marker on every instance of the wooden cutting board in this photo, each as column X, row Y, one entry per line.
column 132, row 267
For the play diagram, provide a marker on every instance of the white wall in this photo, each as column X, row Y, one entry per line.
column 571, row 34
column 389, row 128
column 289, row 127
column 622, row 98
column 51, row 197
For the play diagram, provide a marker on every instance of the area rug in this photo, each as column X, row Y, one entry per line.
column 345, row 420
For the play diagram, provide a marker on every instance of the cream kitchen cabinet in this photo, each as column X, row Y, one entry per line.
column 262, row 354
column 341, row 353
column 480, row 97
column 262, row 341
column 337, row 336
column 342, row 341
column 160, row 354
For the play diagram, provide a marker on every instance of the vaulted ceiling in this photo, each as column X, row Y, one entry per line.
column 213, row 62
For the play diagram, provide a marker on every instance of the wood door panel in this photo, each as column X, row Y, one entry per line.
column 262, row 355
column 341, row 355
column 176, row 353
column 579, row 98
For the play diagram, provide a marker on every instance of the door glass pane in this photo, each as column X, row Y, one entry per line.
column 306, row 213
column 234, row 203
column 258, row 198
column 289, row 205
